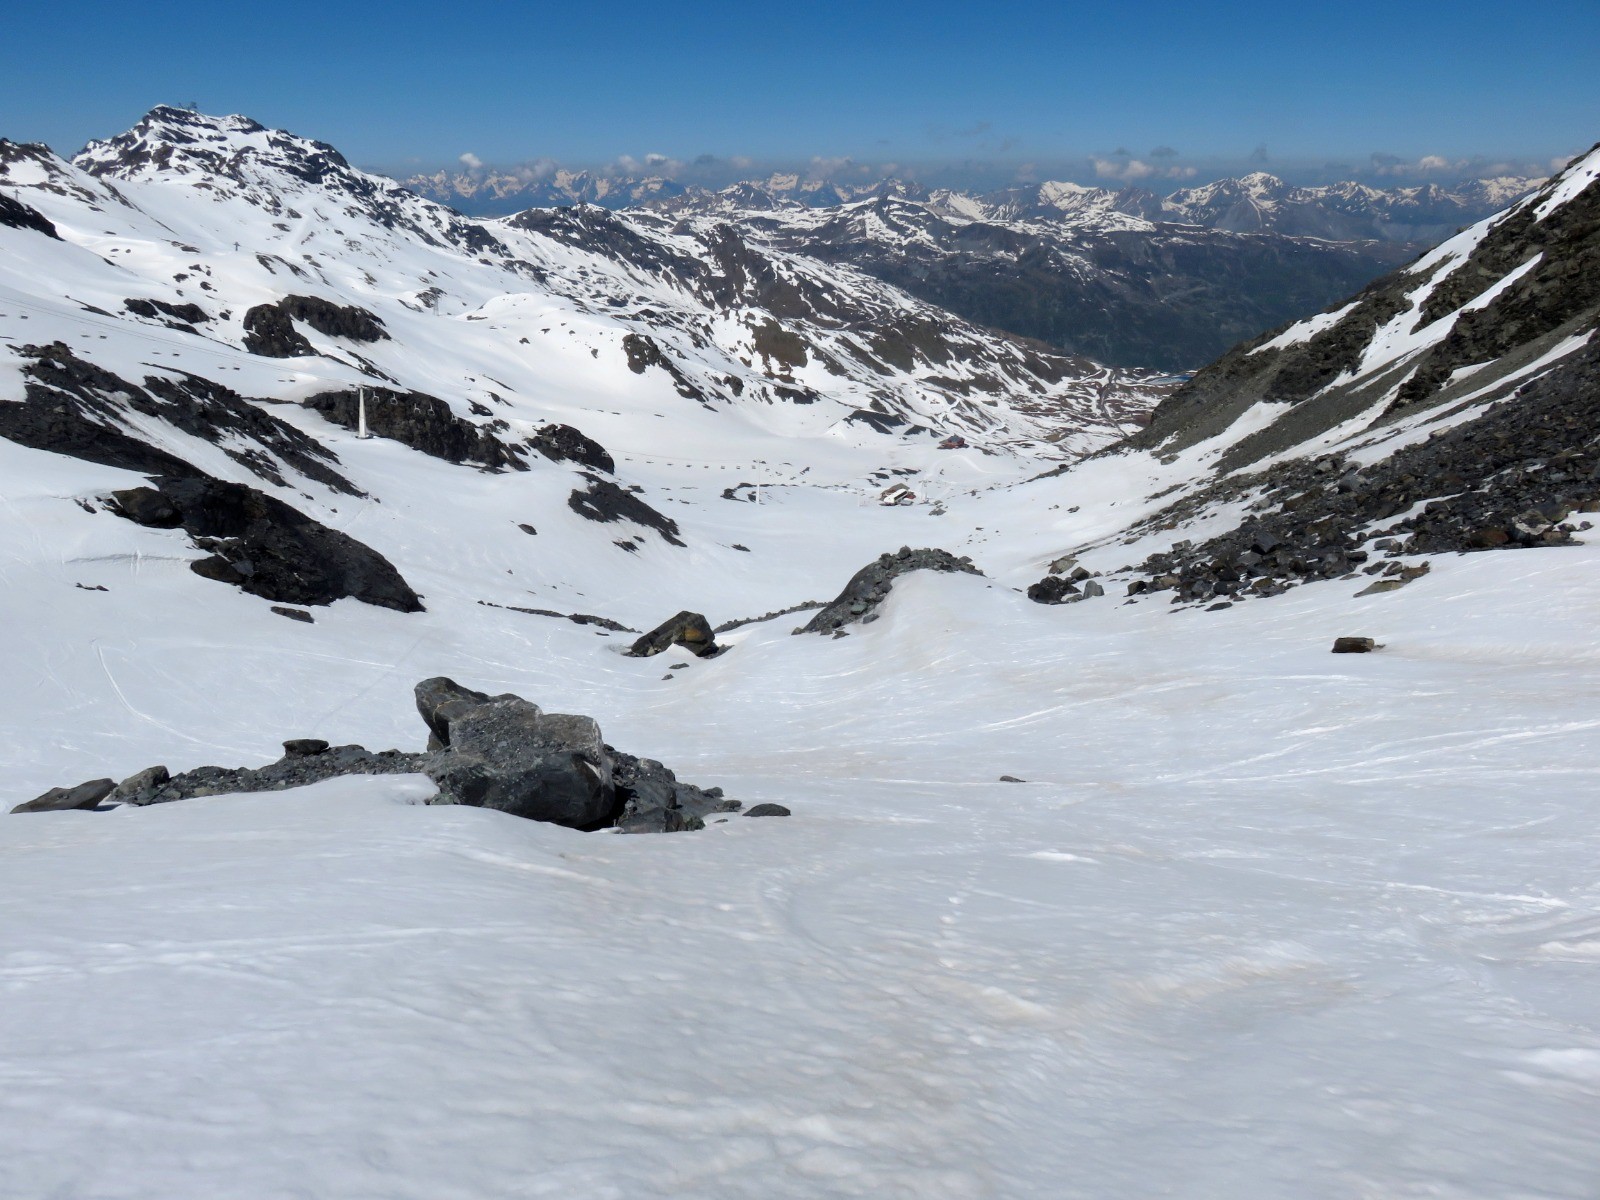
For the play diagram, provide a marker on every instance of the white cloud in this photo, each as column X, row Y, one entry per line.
column 823, row 167
column 1561, row 161
column 650, row 164
column 1393, row 165
column 1125, row 170
column 471, row 161
column 1132, row 170
column 539, row 168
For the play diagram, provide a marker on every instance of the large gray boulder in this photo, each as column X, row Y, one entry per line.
column 85, row 795
column 508, row 754
column 687, row 629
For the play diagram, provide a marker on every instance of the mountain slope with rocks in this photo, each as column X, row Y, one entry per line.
column 1448, row 407
column 1123, row 276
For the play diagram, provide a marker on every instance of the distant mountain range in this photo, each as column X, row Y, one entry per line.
column 1256, row 203
column 1128, row 277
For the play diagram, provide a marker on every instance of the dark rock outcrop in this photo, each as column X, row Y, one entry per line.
column 688, row 629
column 605, row 501
column 421, row 421
column 17, row 215
column 485, row 751
column 278, row 553
column 441, row 699
column 269, row 328
column 508, row 754
column 768, row 810
column 73, row 407
column 643, row 351
column 178, row 316
column 563, row 443
column 1053, row 589
column 139, row 783
column 870, row 586
column 1542, row 261
column 257, row 541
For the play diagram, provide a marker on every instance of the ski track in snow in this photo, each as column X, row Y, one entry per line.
column 1166, row 957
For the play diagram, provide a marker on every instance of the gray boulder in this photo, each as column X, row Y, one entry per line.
column 85, row 795
column 509, row 755
column 688, row 629
column 441, row 700
column 146, row 780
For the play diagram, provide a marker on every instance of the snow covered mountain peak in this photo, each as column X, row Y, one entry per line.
column 272, row 169
column 177, row 141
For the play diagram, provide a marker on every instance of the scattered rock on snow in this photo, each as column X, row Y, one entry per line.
column 1354, row 645
column 486, row 751
column 768, row 810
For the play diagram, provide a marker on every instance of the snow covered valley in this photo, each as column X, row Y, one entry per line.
column 1244, row 918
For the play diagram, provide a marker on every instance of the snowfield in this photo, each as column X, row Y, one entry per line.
column 1262, row 920
column 1254, row 921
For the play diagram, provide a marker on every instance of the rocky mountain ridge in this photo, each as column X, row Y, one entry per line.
column 1452, row 406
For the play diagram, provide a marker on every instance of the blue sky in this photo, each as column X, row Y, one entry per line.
column 1219, row 83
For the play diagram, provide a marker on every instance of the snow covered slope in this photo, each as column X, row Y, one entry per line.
column 1260, row 921
column 204, row 297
